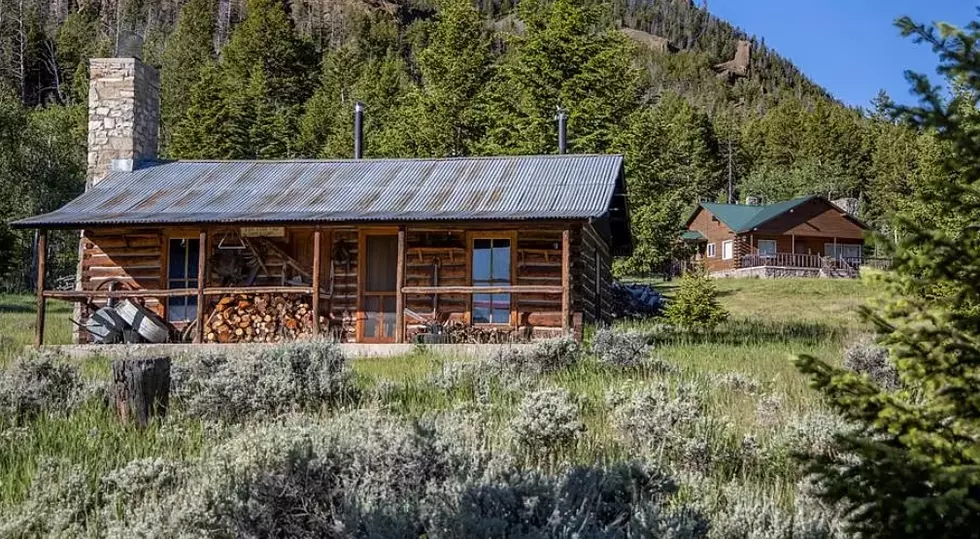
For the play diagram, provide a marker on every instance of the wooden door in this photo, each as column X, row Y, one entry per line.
column 377, row 286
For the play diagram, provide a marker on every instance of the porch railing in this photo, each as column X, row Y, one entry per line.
column 786, row 260
column 790, row 260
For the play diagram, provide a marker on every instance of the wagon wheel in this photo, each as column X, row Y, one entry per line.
column 110, row 284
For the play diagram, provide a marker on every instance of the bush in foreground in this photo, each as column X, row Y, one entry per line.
column 358, row 475
column 39, row 383
column 547, row 421
column 620, row 348
column 270, row 381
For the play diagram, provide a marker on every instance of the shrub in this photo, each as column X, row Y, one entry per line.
column 271, row 381
column 653, row 418
column 623, row 500
column 35, row 384
column 544, row 357
column 547, row 420
column 58, row 505
column 620, row 348
column 866, row 357
column 695, row 306
column 734, row 381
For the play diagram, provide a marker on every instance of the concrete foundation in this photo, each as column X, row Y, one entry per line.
column 353, row 351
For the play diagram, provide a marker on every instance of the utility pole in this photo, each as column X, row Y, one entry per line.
column 731, row 183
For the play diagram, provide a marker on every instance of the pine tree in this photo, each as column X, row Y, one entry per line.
column 266, row 41
column 189, row 50
column 566, row 58
column 912, row 469
column 439, row 117
column 695, row 306
column 216, row 124
column 672, row 160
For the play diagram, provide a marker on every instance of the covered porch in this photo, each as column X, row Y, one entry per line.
column 377, row 283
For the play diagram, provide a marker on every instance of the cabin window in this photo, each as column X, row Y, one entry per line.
column 727, row 249
column 491, row 267
column 709, row 251
column 182, row 273
column 767, row 247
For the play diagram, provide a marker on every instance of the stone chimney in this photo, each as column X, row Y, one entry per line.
column 123, row 116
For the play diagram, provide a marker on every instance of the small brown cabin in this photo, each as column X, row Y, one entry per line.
column 800, row 237
column 379, row 249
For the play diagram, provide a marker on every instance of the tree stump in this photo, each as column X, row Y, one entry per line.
column 141, row 388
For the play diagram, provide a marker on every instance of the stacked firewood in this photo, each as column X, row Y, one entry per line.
column 263, row 318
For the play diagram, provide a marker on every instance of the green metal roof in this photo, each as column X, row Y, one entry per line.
column 692, row 235
column 743, row 217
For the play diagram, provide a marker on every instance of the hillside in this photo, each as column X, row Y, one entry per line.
column 273, row 79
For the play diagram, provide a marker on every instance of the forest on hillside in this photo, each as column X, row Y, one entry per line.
column 265, row 79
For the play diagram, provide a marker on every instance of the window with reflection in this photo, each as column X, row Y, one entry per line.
column 491, row 267
column 182, row 273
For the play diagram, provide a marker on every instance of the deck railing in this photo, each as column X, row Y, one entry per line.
column 785, row 260
column 790, row 260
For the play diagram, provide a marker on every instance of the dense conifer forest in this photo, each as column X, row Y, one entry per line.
column 271, row 79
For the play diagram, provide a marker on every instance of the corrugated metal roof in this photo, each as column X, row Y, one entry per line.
column 506, row 188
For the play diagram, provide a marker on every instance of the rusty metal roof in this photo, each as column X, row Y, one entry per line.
column 495, row 188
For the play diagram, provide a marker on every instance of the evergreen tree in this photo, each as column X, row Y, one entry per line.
column 672, row 160
column 695, row 305
column 439, row 117
column 266, row 41
column 566, row 58
column 912, row 469
column 189, row 51
column 249, row 105
column 216, row 125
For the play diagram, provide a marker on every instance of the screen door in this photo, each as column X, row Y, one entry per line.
column 378, row 287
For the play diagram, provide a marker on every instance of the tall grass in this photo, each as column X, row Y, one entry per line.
column 771, row 321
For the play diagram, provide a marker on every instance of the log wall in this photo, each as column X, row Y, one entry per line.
column 133, row 257
column 595, row 278
column 435, row 256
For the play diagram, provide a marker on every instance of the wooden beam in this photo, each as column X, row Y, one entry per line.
column 202, row 264
column 513, row 289
column 566, row 281
column 226, row 290
column 316, row 281
column 399, row 288
column 42, row 255
column 77, row 295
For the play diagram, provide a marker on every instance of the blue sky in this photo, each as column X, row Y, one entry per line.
column 850, row 47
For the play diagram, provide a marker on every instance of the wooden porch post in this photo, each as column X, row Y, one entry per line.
column 42, row 255
column 202, row 263
column 566, row 281
column 316, row 282
column 399, row 285
column 834, row 254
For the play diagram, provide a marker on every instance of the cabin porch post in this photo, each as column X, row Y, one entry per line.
column 399, row 286
column 566, row 281
column 202, row 263
column 42, row 251
column 316, row 281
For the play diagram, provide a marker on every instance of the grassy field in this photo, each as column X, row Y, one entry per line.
column 770, row 322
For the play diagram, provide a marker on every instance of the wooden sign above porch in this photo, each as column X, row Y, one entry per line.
column 263, row 232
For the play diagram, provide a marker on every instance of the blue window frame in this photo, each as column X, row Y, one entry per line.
column 182, row 273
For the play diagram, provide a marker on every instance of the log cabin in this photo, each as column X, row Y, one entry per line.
column 804, row 237
column 360, row 250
